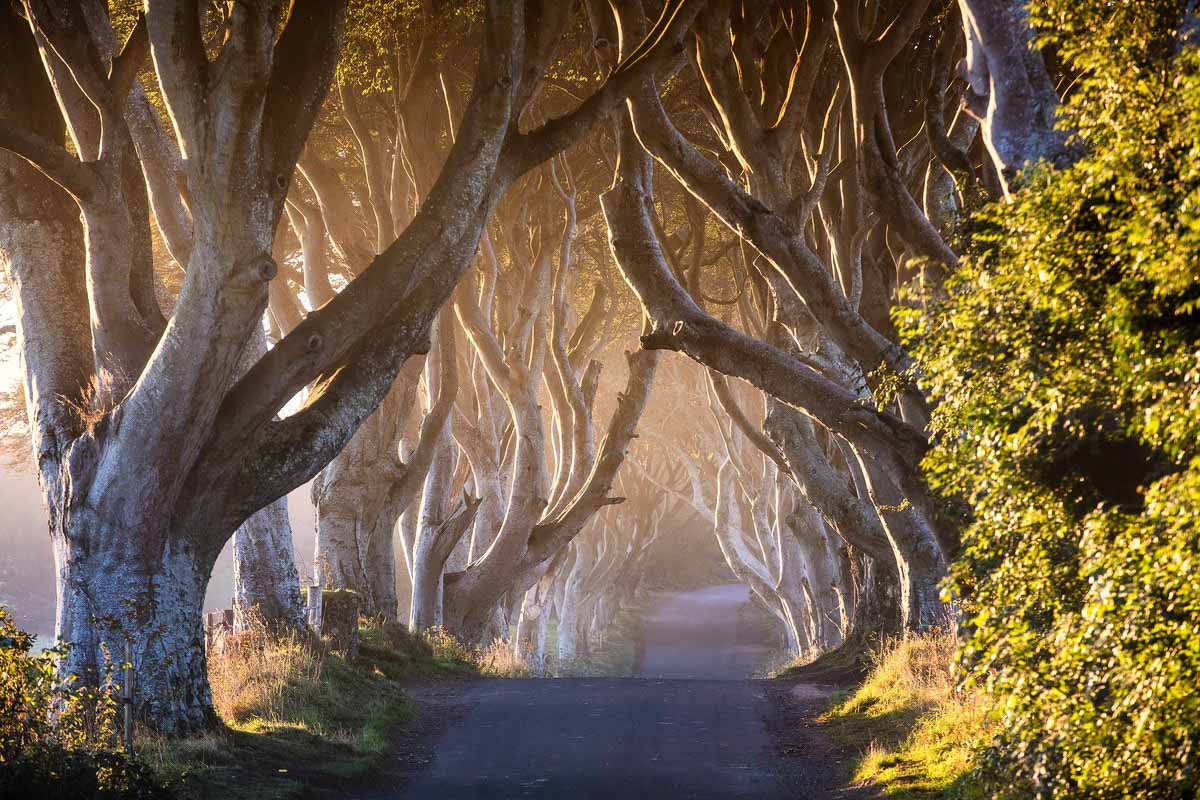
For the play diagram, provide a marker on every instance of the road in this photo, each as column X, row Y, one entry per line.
column 696, row 729
column 709, row 633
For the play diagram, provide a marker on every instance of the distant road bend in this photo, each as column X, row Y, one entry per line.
column 690, row 726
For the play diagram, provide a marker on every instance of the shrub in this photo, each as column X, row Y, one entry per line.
column 52, row 772
column 59, row 739
column 1065, row 363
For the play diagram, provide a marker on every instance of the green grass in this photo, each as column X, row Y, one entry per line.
column 916, row 732
column 298, row 715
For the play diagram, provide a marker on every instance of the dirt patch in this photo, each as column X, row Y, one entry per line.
column 439, row 703
column 812, row 691
column 804, row 744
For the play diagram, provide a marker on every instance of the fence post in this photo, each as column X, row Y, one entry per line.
column 127, row 700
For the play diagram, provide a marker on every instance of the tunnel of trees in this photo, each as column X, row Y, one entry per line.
column 896, row 299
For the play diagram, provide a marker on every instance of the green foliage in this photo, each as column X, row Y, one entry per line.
column 59, row 739
column 382, row 40
column 1065, row 364
column 56, row 773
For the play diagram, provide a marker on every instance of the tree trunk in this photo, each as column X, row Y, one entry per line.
column 379, row 568
column 822, row 569
column 530, row 641
column 1010, row 92
column 919, row 560
column 427, row 570
column 337, row 554
column 878, row 613
column 265, row 580
column 569, row 617
column 145, row 587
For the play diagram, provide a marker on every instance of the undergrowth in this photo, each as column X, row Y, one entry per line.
column 296, row 713
column 59, row 738
column 917, row 730
column 496, row 660
column 299, row 714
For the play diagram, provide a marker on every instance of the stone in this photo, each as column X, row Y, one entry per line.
column 339, row 619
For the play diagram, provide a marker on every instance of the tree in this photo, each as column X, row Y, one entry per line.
column 165, row 444
column 819, row 353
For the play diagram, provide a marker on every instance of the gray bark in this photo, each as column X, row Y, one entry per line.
column 265, row 580
column 146, row 487
column 1010, row 92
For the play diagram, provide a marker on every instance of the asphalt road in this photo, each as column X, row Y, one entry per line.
column 710, row 633
column 701, row 730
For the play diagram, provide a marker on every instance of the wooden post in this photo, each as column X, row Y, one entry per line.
column 127, row 691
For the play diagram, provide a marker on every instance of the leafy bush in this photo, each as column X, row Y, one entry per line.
column 1066, row 364
column 56, row 773
column 59, row 739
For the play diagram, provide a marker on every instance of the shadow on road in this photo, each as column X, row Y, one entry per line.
column 691, row 725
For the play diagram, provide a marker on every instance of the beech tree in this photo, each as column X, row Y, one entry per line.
column 833, row 142
column 545, row 509
column 596, row 576
column 805, row 112
column 154, row 443
column 771, row 537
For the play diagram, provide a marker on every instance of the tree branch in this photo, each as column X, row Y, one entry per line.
column 547, row 537
column 53, row 161
column 302, row 69
column 177, row 46
column 128, row 63
column 725, row 396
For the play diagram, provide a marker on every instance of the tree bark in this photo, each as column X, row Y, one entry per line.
column 148, row 590
column 266, row 584
column 1010, row 92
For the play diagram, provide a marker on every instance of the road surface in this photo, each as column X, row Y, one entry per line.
column 697, row 729
column 709, row 633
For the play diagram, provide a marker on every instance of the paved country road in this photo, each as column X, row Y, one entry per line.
column 708, row 633
column 669, row 737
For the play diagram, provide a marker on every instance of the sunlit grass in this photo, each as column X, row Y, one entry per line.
column 496, row 660
column 918, row 731
column 501, row 660
column 296, row 712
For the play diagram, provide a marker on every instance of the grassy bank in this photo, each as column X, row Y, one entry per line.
column 299, row 715
column 916, row 732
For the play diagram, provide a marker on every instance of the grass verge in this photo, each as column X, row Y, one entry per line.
column 916, row 730
column 299, row 715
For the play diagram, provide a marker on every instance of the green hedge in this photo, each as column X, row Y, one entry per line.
column 1065, row 363
column 59, row 739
